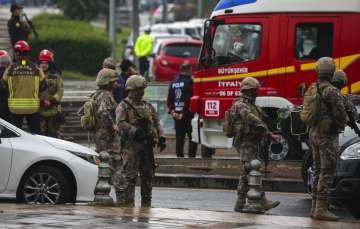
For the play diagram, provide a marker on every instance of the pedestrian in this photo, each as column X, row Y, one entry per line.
column 143, row 49
column 127, row 69
column 331, row 119
column 340, row 81
column 104, row 112
column 5, row 62
column 140, row 131
column 18, row 29
column 24, row 81
column 246, row 126
column 178, row 102
column 50, row 97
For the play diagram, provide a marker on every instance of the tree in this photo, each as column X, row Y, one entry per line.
column 83, row 9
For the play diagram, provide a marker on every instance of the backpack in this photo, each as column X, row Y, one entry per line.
column 87, row 119
column 311, row 108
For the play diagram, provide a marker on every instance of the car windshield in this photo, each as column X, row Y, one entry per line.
column 234, row 43
column 182, row 50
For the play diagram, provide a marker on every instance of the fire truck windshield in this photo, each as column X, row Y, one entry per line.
column 235, row 43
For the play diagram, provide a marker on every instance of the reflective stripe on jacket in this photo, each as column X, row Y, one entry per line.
column 23, row 82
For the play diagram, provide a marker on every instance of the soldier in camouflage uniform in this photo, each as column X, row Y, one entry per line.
column 50, row 98
column 140, row 131
column 324, row 138
column 248, row 129
column 340, row 80
column 105, row 106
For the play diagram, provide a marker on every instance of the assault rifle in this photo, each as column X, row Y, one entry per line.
column 264, row 151
column 147, row 141
column 29, row 25
column 352, row 122
column 147, row 152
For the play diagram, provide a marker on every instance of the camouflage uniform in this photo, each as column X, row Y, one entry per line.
column 248, row 129
column 135, row 155
column 104, row 135
column 324, row 139
column 50, row 116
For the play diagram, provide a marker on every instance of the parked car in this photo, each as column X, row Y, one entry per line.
column 346, row 187
column 172, row 54
column 158, row 40
column 39, row 169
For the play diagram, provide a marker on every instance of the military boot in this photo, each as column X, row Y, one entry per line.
column 240, row 202
column 322, row 213
column 313, row 206
column 268, row 204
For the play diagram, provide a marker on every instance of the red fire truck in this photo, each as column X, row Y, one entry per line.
column 278, row 42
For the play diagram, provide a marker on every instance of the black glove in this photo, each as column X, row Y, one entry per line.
column 140, row 135
column 162, row 144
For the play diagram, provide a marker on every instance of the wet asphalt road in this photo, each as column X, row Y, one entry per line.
column 292, row 204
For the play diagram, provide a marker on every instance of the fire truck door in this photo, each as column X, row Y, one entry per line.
column 309, row 38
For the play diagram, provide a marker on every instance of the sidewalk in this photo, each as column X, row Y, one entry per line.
column 82, row 216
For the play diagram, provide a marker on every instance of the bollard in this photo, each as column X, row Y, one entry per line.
column 254, row 195
column 102, row 188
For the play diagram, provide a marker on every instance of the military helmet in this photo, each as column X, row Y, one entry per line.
column 134, row 82
column 109, row 62
column 339, row 77
column 250, row 83
column 105, row 76
column 325, row 65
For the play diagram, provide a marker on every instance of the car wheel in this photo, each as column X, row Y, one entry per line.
column 280, row 150
column 45, row 185
column 354, row 207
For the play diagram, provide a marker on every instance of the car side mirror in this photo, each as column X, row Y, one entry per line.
column 301, row 90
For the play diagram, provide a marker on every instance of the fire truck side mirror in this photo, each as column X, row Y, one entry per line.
column 301, row 90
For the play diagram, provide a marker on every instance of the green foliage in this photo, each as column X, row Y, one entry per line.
column 77, row 45
column 83, row 9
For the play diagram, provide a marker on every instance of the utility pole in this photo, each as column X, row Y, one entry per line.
column 112, row 27
column 164, row 12
column 135, row 21
column 200, row 9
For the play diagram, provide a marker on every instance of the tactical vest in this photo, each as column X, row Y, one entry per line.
column 23, row 84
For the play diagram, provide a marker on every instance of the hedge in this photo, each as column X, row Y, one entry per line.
column 77, row 45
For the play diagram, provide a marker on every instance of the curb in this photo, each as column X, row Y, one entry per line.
column 224, row 182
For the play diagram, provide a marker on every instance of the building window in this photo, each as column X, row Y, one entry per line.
column 314, row 40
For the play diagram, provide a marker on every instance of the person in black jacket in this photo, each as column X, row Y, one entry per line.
column 178, row 101
column 18, row 29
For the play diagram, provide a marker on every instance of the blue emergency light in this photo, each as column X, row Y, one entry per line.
column 225, row 4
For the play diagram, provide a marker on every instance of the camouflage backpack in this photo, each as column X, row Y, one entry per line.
column 87, row 113
column 228, row 127
column 312, row 105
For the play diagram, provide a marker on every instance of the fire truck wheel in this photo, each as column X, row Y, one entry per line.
column 279, row 151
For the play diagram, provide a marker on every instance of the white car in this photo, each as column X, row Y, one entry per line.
column 39, row 169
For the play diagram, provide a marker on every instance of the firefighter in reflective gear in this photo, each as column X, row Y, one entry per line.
column 140, row 131
column 143, row 49
column 23, row 80
column 324, row 139
column 249, row 129
column 50, row 97
column 4, row 64
column 178, row 102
